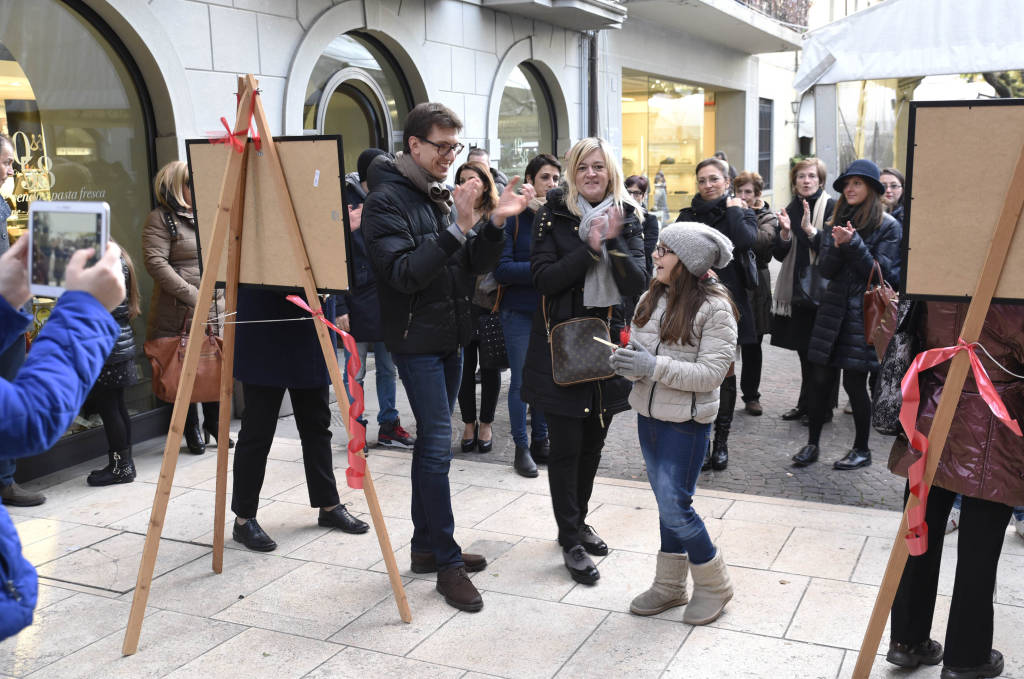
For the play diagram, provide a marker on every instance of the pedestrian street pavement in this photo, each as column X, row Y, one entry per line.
column 805, row 575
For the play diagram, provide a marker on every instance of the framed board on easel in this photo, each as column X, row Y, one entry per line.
column 315, row 176
column 962, row 242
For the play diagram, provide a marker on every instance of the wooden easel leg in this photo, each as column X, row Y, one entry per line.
column 187, row 381
column 988, row 280
column 291, row 226
column 227, row 380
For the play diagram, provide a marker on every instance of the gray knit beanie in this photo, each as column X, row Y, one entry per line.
column 698, row 246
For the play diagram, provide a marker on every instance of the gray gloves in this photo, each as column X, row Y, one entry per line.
column 633, row 361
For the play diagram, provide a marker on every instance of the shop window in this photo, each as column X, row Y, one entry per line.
column 526, row 120
column 662, row 138
column 357, row 90
column 764, row 141
column 867, row 122
column 81, row 124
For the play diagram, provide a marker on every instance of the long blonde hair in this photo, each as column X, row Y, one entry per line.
column 616, row 187
column 169, row 185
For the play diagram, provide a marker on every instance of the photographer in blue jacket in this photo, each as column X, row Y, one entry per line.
column 39, row 405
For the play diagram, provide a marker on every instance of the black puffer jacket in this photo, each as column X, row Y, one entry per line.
column 838, row 335
column 559, row 263
column 739, row 224
column 424, row 274
column 124, row 346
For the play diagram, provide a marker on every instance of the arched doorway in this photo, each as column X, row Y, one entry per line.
column 357, row 90
column 527, row 124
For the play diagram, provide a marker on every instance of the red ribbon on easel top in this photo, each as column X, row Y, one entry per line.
column 235, row 138
column 357, row 430
column 917, row 529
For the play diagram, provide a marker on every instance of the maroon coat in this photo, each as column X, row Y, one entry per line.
column 982, row 457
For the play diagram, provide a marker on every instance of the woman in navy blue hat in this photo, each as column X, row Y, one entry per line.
column 859, row 234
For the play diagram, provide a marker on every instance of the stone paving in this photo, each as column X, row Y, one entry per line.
column 320, row 607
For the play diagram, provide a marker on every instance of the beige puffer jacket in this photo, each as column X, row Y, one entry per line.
column 686, row 377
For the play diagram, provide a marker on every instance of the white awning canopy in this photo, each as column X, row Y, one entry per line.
column 908, row 38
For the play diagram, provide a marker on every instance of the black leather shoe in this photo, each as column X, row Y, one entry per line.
column 194, row 440
column 793, row 414
column 855, row 459
column 719, row 455
column 580, row 567
column 540, row 450
column 993, row 668
column 591, row 541
column 523, row 463
column 927, row 652
column 252, row 536
column 340, row 518
column 469, row 445
column 807, row 455
column 485, row 446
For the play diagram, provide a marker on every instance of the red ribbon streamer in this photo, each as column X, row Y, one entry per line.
column 917, row 529
column 357, row 431
column 232, row 137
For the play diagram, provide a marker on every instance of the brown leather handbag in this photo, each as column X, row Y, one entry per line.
column 167, row 357
column 881, row 303
column 576, row 357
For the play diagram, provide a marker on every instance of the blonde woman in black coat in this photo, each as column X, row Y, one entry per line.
column 588, row 253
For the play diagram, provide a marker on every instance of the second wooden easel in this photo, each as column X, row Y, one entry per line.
column 228, row 229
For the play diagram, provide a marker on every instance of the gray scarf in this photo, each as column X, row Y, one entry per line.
column 599, row 288
column 424, row 181
column 782, row 301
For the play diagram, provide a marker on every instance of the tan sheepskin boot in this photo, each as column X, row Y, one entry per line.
column 668, row 589
column 711, row 591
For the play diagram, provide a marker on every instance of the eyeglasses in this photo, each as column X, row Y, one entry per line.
column 635, row 194
column 444, row 148
column 662, row 250
column 714, row 179
column 892, row 186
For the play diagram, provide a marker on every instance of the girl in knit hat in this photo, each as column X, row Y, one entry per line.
column 682, row 343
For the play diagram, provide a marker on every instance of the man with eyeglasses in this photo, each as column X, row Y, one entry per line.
column 426, row 248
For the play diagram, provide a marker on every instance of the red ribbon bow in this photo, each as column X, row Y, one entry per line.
column 917, row 529
column 235, row 138
column 357, row 431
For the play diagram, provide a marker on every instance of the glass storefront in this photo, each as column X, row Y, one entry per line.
column 867, row 121
column 525, row 121
column 357, row 91
column 80, row 132
column 662, row 137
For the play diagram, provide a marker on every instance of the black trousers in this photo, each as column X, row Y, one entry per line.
column 824, row 381
column 259, row 422
column 109, row 404
column 490, row 386
column 750, row 376
column 575, row 453
column 969, row 628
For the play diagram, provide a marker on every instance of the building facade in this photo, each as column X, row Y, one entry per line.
column 98, row 94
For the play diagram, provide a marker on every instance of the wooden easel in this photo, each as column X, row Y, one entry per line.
column 988, row 280
column 228, row 229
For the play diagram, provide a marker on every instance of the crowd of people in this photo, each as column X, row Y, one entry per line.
column 436, row 264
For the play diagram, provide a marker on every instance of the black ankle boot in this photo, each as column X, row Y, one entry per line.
column 119, row 469
column 726, row 406
column 194, row 440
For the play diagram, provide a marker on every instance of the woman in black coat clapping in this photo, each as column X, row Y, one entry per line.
column 859, row 235
column 715, row 207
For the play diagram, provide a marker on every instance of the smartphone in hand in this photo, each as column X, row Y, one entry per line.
column 55, row 230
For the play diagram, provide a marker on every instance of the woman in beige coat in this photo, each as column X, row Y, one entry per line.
column 170, row 248
column 682, row 343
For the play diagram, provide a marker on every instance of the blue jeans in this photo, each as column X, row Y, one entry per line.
column 516, row 326
column 674, row 452
column 432, row 384
column 7, row 468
